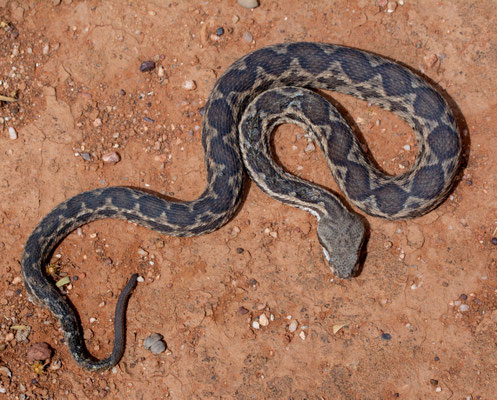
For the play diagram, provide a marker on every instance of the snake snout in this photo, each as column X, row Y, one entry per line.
column 342, row 243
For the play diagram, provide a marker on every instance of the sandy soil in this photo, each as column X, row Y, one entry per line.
column 418, row 323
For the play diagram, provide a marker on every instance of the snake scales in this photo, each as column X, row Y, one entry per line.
column 305, row 65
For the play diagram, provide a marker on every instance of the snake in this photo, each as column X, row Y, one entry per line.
column 263, row 89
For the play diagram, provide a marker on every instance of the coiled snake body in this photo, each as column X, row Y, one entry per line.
column 277, row 70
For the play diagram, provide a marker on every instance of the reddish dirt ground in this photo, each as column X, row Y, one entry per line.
column 418, row 323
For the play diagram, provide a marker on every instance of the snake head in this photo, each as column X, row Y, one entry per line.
column 342, row 240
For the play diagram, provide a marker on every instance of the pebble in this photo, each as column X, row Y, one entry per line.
column 155, row 343
column 386, row 336
column 158, row 347
column 6, row 371
column 12, row 133
column 86, row 156
column 407, row 147
column 46, row 49
column 293, row 326
column 256, row 325
column 463, row 307
column 248, row 3
column 220, row 31
column 391, row 6
column 302, row 335
column 39, row 352
column 111, row 158
column 494, row 241
column 247, row 37
column 263, row 320
column 16, row 280
column 189, row 85
column 242, row 310
column 147, row 66
column 22, row 334
column 310, row 147
column 97, row 123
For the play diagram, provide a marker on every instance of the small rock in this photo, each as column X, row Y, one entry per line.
column 248, row 3
column 248, row 37
column 56, row 2
column 147, row 66
column 189, row 85
column 142, row 252
column 39, row 352
column 22, row 334
column 242, row 310
column 494, row 241
column 111, row 158
column 5, row 371
column 263, row 320
column 235, row 19
column 255, row 325
column 302, row 335
column 310, row 147
column 433, row 382
column 55, row 365
column 463, row 307
column 293, row 326
column 386, row 336
column 12, row 133
column 220, row 31
column 151, row 339
column 158, row 347
column 86, row 156
column 97, row 123
column 338, row 327
column 46, row 49
column 391, row 6
column 407, row 147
